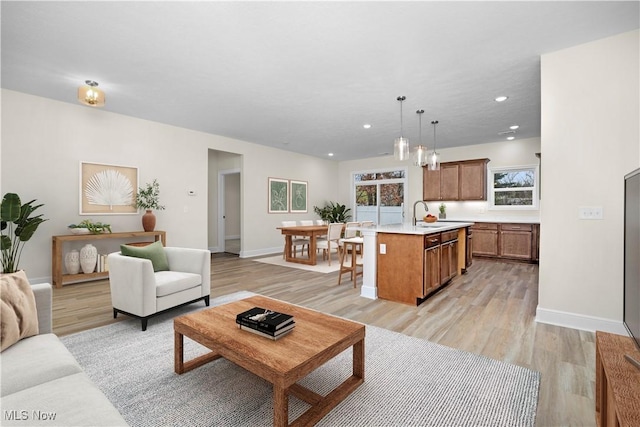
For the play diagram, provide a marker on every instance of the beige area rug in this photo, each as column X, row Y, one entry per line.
column 322, row 266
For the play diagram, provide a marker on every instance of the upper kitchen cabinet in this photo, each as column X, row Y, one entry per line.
column 464, row 180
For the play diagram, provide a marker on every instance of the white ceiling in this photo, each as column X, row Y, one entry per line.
column 306, row 76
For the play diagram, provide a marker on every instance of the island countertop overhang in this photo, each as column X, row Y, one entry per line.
column 407, row 228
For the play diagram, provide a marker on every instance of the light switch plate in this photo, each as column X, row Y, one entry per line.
column 383, row 249
column 590, row 212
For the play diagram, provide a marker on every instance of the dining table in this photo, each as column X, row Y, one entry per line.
column 311, row 231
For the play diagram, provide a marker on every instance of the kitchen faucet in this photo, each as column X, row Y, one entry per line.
column 426, row 208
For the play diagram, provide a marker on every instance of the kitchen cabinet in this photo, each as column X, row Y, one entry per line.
column 431, row 264
column 506, row 241
column 463, row 180
column 411, row 267
column 485, row 239
column 448, row 256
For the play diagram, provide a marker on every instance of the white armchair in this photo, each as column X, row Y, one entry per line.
column 138, row 291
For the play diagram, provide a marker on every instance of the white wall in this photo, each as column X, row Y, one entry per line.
column 504, row 153
column 43, row 142
column 590, row 140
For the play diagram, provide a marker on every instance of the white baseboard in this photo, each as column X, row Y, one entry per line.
column 261, row 252
column 579, row 321
column 232, row 237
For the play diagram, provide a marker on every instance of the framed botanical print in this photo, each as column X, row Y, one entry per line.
column 107, row 189
column 298, row 191
column 278, row 195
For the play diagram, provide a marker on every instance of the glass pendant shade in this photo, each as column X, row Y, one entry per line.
column 433, row 162
column 401, row 144
column 420, row 156
column 401, row 148
column 90, row 95
column 434, row 158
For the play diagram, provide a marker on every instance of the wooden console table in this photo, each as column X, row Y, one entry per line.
column 617, row 381
column 57, row 253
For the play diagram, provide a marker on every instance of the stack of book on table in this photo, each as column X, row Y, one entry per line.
column 267, row 323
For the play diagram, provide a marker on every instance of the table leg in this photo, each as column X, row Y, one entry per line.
column 312, row 249
column 280, row 406
column 178, row 353
column 287, row 248
column 358, row 359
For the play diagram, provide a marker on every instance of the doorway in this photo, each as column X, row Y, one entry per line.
column 229, row 221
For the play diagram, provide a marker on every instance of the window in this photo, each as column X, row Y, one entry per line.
column 380, row 196
column 513, row 187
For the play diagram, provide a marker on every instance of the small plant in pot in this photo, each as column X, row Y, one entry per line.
column 148, row 198
column 18, row 226
column 443, row 211
column 87, row 226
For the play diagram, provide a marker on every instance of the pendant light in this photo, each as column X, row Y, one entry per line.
column 401, row 144
column 434, row 157
column 90, row 95
column 420, row 152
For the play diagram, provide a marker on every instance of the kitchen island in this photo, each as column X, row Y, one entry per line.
column 407, row 263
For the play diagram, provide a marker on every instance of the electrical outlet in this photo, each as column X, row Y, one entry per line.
column 383, row 249
column 590, row 212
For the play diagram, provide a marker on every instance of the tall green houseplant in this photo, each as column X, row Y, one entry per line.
column 333, row 212
column 17, row 226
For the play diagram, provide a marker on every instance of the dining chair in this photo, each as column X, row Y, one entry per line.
column 349, row 230
column 331, row 242
column 366, row 224
column 295, row 240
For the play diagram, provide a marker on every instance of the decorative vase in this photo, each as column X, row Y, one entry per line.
column 442, row 216
column 72, row 262
column 88, row 258
column 148, row 221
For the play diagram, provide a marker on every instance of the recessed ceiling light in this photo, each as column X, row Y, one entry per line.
column 501, row 98
column 366, row 126
column 511, row 138
column 330, row 154
column 514, row 127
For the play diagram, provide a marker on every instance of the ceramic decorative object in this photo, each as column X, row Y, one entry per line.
column 88, row 258
column 442, row 215
column 148, row 221
column 72, row 262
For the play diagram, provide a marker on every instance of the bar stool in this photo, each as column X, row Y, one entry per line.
column 356, row 244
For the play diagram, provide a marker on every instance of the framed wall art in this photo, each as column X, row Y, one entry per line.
column 107, row 189
column 298, row 190
column 278, row 195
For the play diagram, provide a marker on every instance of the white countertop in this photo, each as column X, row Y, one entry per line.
column 407, row 228
column 497, row 218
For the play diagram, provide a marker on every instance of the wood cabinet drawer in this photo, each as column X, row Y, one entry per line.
column 431, row 240
column 516, row 227
column 448, row 236
column 484, row 226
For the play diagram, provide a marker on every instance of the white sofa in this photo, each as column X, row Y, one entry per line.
column 42, row 383
column 138, row 291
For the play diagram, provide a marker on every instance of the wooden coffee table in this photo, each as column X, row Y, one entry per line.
column 316, row 339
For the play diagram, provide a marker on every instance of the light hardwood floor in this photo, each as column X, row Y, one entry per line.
column 488, row 311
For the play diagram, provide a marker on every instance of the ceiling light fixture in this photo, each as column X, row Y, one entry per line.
column 90, row 95
column 511, row 138
column 514, row 127
column 366, row 126
column 420, row 152
column 434, row 158
column 501, row 98
column 401, row 144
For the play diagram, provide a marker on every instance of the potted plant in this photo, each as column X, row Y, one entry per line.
column 87, row 226
column 443, row 211
column 148, row 198
column 333, row 212
column 18, row 226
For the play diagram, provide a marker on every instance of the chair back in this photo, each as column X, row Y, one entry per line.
column 366, row 224
column 350, row 229
column 306, row 222
column 335, row 230
column 289, row 223
column 320, row 222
